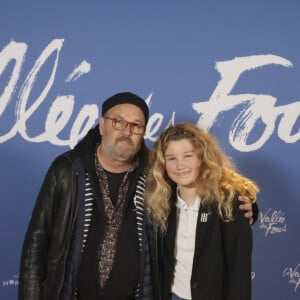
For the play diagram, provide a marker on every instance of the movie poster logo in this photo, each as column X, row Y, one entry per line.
column 293, row 276
column 14, row 281
column 272, row 222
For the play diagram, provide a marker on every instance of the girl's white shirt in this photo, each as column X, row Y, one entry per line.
column 185, row 246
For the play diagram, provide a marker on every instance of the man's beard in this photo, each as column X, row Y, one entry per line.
column 127, row 154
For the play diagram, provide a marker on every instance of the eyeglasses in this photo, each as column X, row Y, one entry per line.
column 121, row 124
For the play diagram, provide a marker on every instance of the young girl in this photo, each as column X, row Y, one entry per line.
column 204, row 242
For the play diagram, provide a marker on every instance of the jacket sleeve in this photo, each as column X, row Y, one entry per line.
column 152, row 237
column 41, row 237
column 255, row 210
column 237, row 237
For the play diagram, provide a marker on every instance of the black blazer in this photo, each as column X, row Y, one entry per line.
column 222, row 257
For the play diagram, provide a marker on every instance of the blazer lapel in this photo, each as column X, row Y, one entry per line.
column 203, row 224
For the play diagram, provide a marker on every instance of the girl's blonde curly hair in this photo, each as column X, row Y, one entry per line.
column 218, row 180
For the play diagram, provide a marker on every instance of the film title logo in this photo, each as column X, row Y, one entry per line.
column 272, row 221
column 293, row 275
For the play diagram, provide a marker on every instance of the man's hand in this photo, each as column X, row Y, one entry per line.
column 247, row 206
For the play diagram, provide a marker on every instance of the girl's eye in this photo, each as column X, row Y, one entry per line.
column 170, row 158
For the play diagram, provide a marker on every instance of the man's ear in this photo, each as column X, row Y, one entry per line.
column 101, row 124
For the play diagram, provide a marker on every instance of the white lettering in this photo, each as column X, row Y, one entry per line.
column 276, row 217
column 13, row 51
column 294, row 276
column 272, row 222
column 256, row 107
column 61, row 108
column 83, row 68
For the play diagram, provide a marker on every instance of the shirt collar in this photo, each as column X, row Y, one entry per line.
column 181, row 204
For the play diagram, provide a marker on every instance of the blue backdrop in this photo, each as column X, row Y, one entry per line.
column 233, row 67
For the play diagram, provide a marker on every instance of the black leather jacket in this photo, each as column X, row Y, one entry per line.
column 50, row 232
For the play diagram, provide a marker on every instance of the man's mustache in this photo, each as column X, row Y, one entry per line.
column 125, row 139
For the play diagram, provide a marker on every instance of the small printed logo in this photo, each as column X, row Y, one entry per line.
column 293, row 275
column 203, row 217
column 11, row 282
column 272, row 221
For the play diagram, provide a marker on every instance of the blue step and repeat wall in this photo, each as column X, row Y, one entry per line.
column 232, row 67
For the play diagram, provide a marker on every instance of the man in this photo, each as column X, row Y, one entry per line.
column 86, row 238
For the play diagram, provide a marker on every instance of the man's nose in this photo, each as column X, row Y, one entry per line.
column 127, row 130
